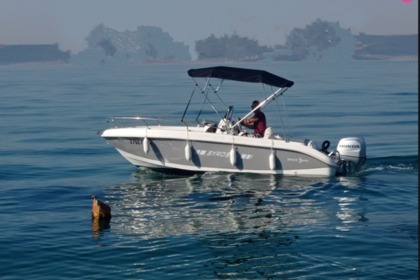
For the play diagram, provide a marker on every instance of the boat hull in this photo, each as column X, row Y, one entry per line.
column 193, row 150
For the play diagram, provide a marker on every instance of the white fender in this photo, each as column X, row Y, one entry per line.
column 233, row 156
column 188, row 151
column 272, row 160
column 146, row 145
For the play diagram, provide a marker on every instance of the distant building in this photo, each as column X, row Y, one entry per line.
column 392, row 47
column 14, row 54
column 327, row 41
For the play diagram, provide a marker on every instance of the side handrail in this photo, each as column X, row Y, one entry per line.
column 146, row 121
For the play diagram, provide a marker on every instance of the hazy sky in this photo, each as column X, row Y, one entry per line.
column 69, row 22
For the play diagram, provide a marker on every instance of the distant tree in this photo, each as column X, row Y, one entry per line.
column 210, row 48
column 227, row 47
column 107, row 46
column 151, row 52
column 147, row 43
column 318, row 35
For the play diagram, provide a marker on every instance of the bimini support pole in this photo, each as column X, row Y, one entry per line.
column 262, row 104
column 188, row 104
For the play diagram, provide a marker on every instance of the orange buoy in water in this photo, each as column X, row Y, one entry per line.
column 100, row 210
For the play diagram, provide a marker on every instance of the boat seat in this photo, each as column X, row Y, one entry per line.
column 268, row 133
column 210, row 128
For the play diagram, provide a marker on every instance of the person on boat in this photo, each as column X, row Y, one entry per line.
column 257, row 122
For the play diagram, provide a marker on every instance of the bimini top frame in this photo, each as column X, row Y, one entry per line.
column 241, row 75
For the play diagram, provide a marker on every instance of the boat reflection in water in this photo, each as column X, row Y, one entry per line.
column 158, row 205
column 235, row 225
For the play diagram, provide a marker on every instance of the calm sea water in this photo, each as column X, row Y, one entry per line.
column 208, row 226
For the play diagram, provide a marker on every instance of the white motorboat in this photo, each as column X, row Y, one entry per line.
column 223, row 146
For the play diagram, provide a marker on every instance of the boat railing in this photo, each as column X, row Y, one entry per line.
column 121, row 121
column 150, row 121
